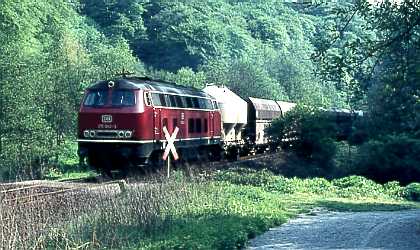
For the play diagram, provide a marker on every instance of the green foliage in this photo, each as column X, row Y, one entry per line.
column 371, row 53
column 67, row 155
column 261, row 49
column 412, row 192
column 184, row 76
column 117, row 18
column 355, row 187
column 338, row 41
column 394, row 157
column 245, row 176
column 49, row 52
column 346, row 54
column 309, row 132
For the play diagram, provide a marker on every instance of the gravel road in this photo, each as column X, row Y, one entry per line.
column 336, row 230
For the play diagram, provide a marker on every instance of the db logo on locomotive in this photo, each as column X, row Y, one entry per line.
column 106, row 118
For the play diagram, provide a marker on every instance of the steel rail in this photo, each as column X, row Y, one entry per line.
column 20, row 189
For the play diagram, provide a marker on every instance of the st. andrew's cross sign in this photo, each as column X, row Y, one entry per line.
column 170, row 146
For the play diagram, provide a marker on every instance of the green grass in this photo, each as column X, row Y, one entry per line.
column 69, row 172
column 222, row 212
column 73, row 176
column 67, row 167
column 234, row 213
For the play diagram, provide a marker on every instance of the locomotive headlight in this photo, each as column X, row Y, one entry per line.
column 86, row 133
column 121, row 134
column 128, row 134
column 92, row 133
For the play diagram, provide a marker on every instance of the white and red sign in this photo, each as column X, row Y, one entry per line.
column 170, row 146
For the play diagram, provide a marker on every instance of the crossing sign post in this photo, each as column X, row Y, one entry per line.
column 170, row 147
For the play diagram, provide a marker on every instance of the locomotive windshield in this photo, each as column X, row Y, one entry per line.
column 122, row 98
column 119, row 98
column 96, row 98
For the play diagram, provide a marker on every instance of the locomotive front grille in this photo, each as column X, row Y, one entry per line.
column 107, row 134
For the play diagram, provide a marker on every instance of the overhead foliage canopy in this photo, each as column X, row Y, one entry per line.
column 259, row 48
column 379, row 61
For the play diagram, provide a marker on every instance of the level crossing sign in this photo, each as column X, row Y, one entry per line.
column 170, row 146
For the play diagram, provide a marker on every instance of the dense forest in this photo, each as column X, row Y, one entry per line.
column 349, row 54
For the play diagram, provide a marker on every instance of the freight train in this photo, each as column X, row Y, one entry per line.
column 121, row 123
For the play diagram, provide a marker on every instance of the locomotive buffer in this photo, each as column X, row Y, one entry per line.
column 170, row 147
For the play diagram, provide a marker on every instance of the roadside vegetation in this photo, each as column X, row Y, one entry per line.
column 220, row 211
column 333, row 150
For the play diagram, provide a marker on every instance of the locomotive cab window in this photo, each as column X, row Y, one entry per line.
column 202, row 103
column 123, row 98
column 173, row 101
column 195, row 103
column 215, row 105
column 208, row 104
column 156, row 99
column 96, row 98
column 189, row 102
column 147, row 99
column 179, row 102
column 162, row 100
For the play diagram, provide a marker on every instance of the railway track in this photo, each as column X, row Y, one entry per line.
column 32, row 193
column 20, row 194
column 39, row 191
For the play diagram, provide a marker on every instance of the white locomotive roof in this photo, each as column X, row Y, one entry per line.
column 150, row 84
column 233, row 108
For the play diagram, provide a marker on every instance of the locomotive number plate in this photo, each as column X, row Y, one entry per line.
column 106, row 118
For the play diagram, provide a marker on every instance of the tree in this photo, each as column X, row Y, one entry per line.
column 48, row 52
column 118, row 18
column 378, row 61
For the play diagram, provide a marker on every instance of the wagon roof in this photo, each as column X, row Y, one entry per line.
column 150, row 84
column 265, row 109
column 264, row 104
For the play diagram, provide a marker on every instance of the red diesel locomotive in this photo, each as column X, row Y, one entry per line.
column 121, row 122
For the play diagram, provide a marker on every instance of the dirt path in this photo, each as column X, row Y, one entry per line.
column 333, row 230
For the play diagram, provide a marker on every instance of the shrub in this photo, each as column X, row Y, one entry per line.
column 412, row 192
column 358, row 186
column 319, row 186
column 394, row 190
column 394, row 157
column 347, row 187
column 309, row 132
column 246, row 176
